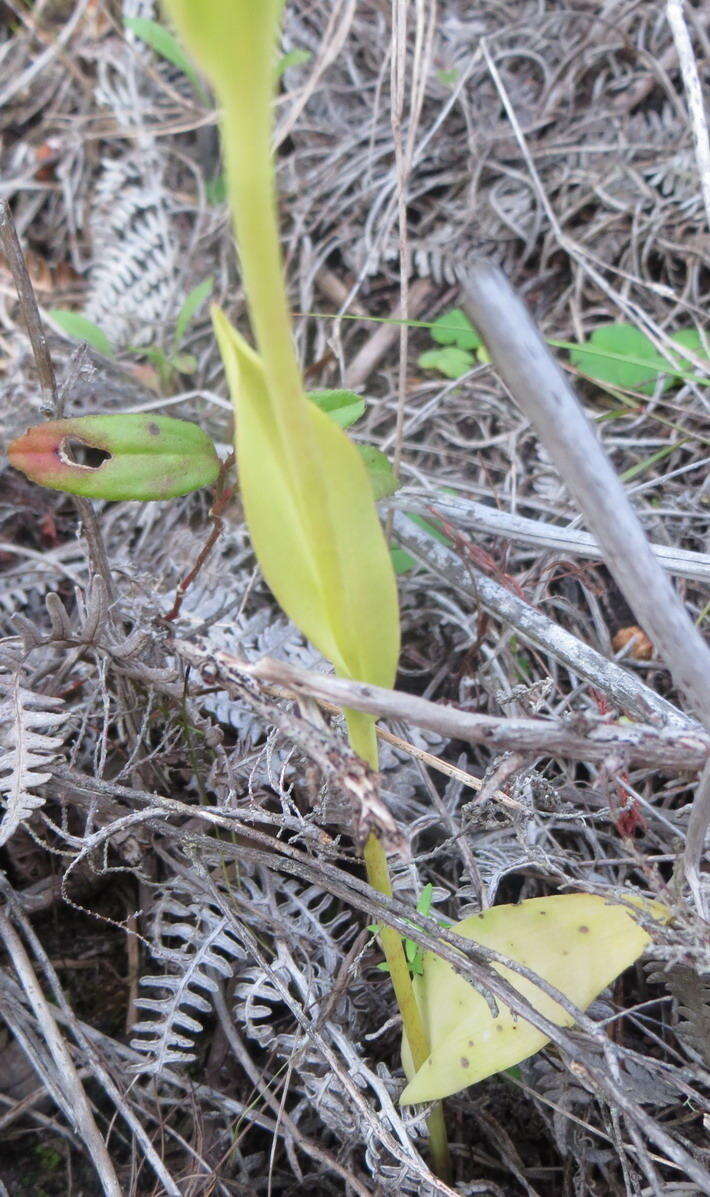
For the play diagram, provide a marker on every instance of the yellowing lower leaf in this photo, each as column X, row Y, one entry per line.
column 576, row 942
column 342, row 593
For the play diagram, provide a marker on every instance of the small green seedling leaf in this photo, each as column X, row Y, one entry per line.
column 642, row 364
column 164, row 43
column 343, row 407
column 77, row 326
column 294, row 58
column 146, row 456
column 184, row 363
column 194, row 301
column 401, row 560
column 576, row 942
column 689, row 338
column 455, row 328
column 450, row 361
column 448, row 78
column 379, row 470
column 216, row 189
column 412, row 950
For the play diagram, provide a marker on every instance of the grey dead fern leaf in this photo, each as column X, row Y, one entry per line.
column 691, row 990
column 135, row 274
column 195, row 942
column 30, row 741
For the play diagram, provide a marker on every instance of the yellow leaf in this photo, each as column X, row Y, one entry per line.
column 576, row 942
column 331, row 573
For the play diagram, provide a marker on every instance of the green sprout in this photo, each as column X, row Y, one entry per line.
column 168, row 362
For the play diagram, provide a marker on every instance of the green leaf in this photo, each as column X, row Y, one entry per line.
column 455, row 328
column 294, row 58
column 81, row 329
column 689, row 338
column 424, row 903
column 335, row 580
column 216, row 189
column 379, row 469
column 401, row 560
column 448, row 78
column 164, row 43
column 451, row 361
column 184, row 363
column 641, row 363
column 190, row 307
column 432, row 529
column 576, row 942
column 148, row 457
column 343, row 407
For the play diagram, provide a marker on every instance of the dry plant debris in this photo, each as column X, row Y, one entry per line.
column 186, row 975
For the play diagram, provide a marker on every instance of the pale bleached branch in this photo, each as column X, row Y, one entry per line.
column 526, row 366
column 585, row 740
column 694, row 95
column 466, row 513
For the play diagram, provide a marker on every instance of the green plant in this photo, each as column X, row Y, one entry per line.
column 294, row 58
column 412, row 950
column 154, row 457
column 139, row 456
column 82, row 329
column 310, row 508
column 649, row 361
column 165, row 44
column 623, row 356
column 168, row 362
column 460, row 345
column 307, row 497
column 576, row 942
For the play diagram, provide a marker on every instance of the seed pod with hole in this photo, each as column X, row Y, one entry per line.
column 117, row 456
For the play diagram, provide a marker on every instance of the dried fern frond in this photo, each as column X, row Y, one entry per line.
column 691, row 990
column 27, row 751
column 195, row 940
column 135, row 276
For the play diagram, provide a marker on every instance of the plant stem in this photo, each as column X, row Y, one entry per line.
column 361, row 730
column 247, row 95
column 378, row 875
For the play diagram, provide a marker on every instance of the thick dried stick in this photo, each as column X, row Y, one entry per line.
column 588, row 740
column 683, row 563
column 694, row 94
column 533, row 378
column 71, row 1086
column 12, row 250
